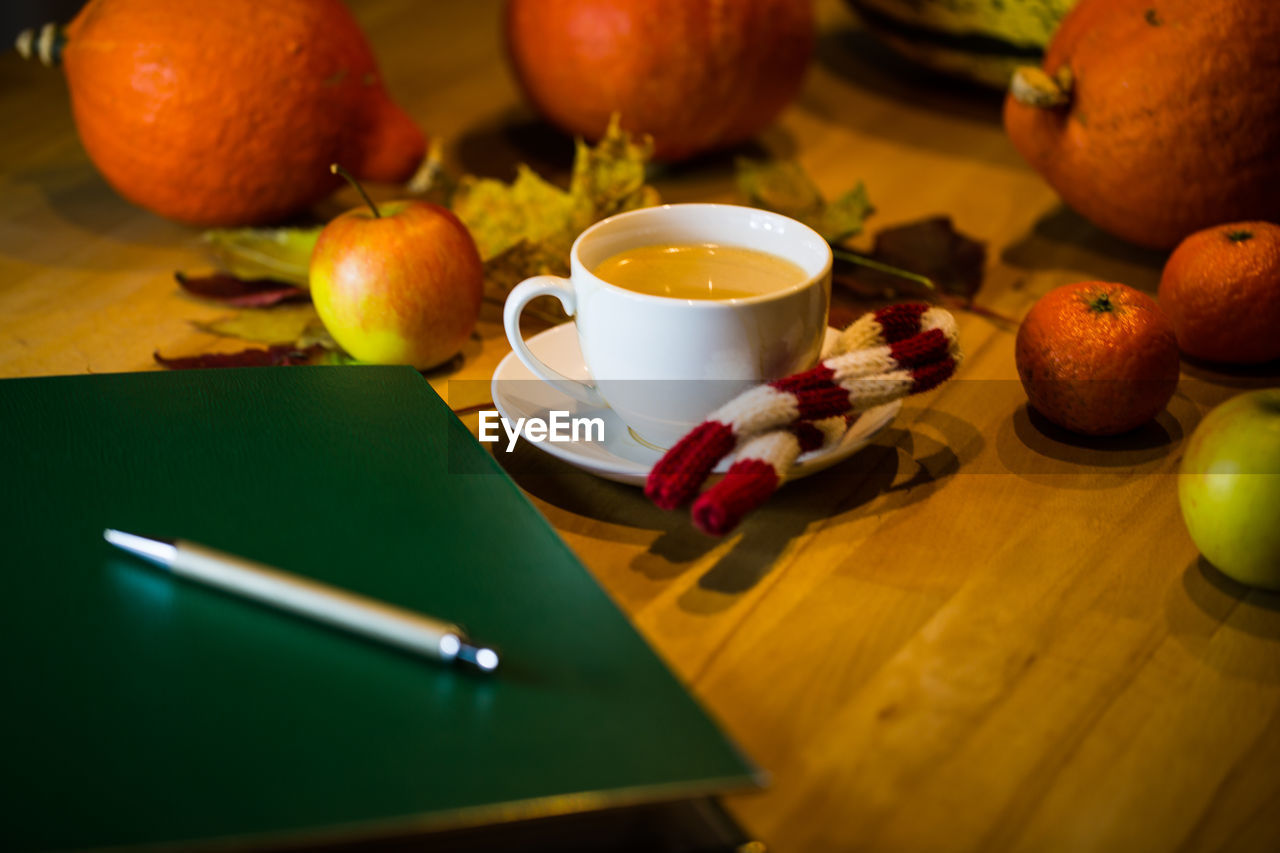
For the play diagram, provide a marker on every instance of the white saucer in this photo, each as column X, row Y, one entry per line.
column 620, row 457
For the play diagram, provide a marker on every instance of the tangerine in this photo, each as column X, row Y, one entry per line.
column 1221, row 289
column 1097, row 358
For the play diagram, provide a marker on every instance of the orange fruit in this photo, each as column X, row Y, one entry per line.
column 1097, row 358
column 1221, row 289
column 230, row 112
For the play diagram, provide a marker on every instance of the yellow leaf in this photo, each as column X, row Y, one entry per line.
column 783, row 186
column 527, row 227
column 281, row 254
column 500, row 215
column 280, row 324
column 609, row 178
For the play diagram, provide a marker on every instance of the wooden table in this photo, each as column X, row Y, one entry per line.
column 976, row 634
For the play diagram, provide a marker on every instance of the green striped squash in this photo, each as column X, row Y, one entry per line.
column 980, row 40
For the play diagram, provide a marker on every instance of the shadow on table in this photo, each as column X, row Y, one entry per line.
column 905, row 465
column 1239, row 377
column 1063, row 239
column 78, row 199
column 497, row 145
column 860, row 59
column 1206, row 603
column 713, row 176
column 1207, row 587
column 1151, row 441
column 765, row 535
column 1038, row 450
column 494, row 147
column 862, row 62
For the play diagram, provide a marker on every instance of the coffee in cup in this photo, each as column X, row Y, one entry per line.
column 667, row 330
column 699, row 271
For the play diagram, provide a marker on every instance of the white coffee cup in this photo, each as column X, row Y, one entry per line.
column 664, row 363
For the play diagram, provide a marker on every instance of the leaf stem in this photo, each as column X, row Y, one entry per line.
column 864, row 261
column 338, row 170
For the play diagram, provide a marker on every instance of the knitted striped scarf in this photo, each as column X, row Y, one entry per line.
column 882, row 356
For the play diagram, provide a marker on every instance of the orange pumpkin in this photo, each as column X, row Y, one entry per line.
column 694, row 74
column 1157, row 118
column 230, row 112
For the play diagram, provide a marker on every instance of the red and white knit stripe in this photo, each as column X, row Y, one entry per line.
column 759, row 467
column 883, row 356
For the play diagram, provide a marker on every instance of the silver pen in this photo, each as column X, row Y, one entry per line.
column 342, row 609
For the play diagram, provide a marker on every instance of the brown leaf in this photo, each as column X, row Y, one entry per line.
column 932, row 248
column 276, row 356
column 240, row 293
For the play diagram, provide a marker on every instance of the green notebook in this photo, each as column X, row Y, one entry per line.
column 141, row 708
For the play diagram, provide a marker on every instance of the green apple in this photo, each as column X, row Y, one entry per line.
column 1229, row 487
column 397, row 285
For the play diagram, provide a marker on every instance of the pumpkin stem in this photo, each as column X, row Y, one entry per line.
column 1035, row 88
column 430, row 174
column 47, row 44
column 338, row 170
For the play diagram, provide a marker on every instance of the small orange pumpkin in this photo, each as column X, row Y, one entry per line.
column 1157, row 118
column 230, row 112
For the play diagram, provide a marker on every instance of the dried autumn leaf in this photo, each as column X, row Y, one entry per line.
column 282, row 254
column 780, row 185
column 238, row 292
column 783, row 186
column 935, row 249
column 527, row 227
column 522, row 229
column 333, row 356
column 315, row 334
column 276, row 356
column 499, row 215
column 845, row 216
column 516, row 263
column 281, row 324
column 927, row 259
column 610, row 178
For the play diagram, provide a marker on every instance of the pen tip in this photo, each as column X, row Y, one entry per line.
column 157, row 551
column 481, row 657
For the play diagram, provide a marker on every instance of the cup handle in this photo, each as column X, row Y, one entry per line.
column 520, row 296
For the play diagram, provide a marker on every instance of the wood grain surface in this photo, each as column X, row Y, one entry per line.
column 977, row 634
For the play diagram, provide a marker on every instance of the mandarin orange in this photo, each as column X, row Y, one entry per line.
column 1097, row 358
column 1221, row 289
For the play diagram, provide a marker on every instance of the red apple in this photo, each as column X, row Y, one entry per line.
column 399, row 284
